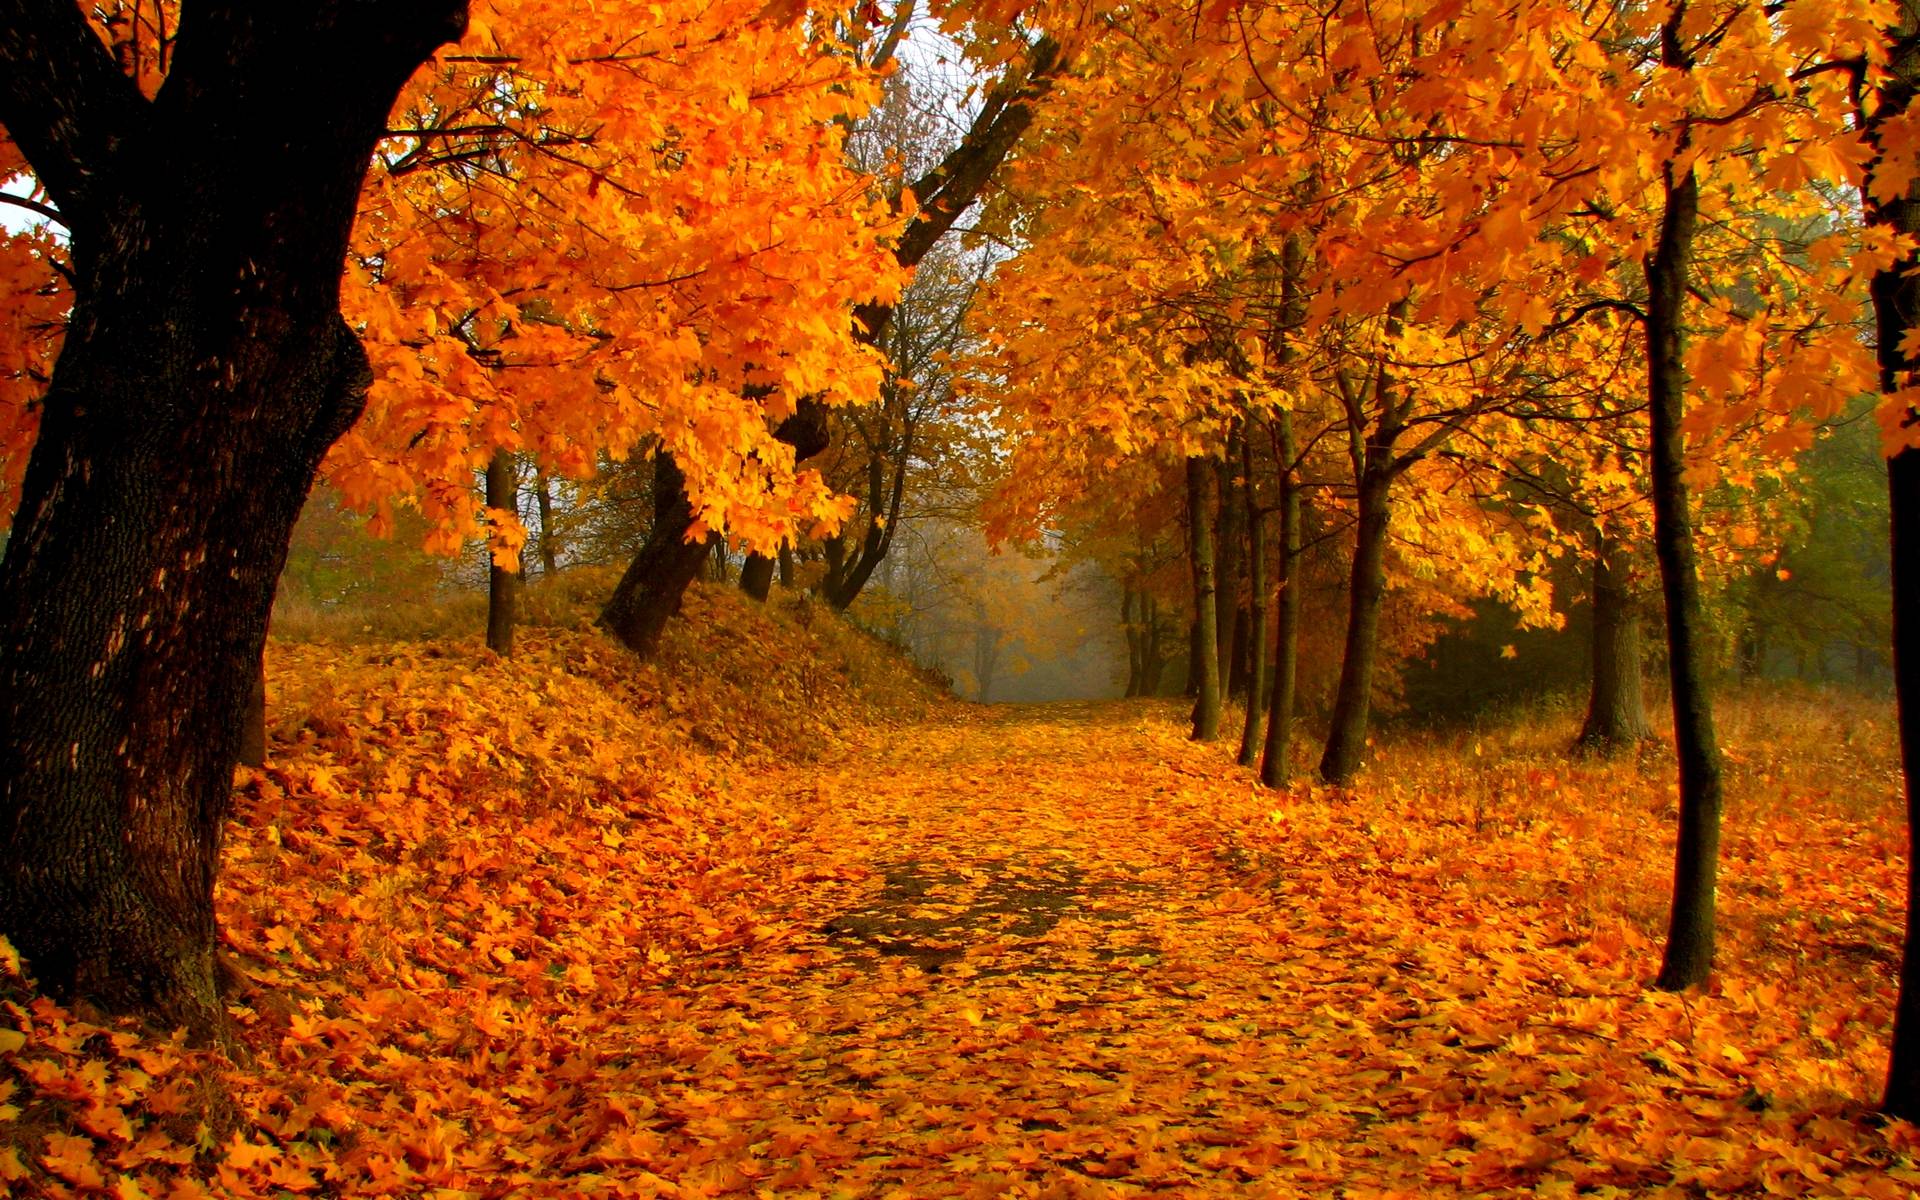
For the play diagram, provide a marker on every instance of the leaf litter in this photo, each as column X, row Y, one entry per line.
column 507, row 929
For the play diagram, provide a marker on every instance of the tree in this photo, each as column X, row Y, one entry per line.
column 648, row 593
column 1892, row 199
column 206, row 370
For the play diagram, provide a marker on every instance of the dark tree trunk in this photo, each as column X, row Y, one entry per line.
column 1136, row 644
column 1690, row 928
column 503, row 586
column 1206, row 708
column 1896, row 305
column 1230, row 556
column 1347, row 737
column 253, row 730
column 886, row 488
column 1194, row 653
column 1276, row 761
column 1256, row 628
column 786, row 565
column 649, row 594
column 1239, row 669
column 549, row 537
column 1903, row 481
column 1616, row 713
column 205, row 372
column 756, row 577
column 1156, row 658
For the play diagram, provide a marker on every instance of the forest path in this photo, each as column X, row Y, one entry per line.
column 1023, row 965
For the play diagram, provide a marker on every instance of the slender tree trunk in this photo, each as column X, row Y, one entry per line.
column 1256, row 626
column 1689, row 952
column 205, row 372
column 1206, row 709
column 1616, row 714
column 756, row 576
column 1239, row 666
column 1136, row 645
column 786, row 565
column 1896, row 305
column 1276, row 762
column 549, row 537
column 503, row 586
column 1230, row 555
column 1347, row 738
column 1156, row 659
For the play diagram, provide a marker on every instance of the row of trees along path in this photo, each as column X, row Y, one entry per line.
column 211, row 360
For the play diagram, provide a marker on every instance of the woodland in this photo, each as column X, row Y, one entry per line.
column 999, row 598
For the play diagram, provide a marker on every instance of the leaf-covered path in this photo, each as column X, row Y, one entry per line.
column 1050, row 965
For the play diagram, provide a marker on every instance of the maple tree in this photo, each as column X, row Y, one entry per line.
column 204, row 371
column 648, row 593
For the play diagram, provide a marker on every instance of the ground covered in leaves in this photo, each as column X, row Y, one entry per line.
column 561, row 928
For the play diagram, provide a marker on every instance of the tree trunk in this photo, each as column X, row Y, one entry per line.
column 1690, row 928
column 1230, row 555
column 503, row 586
column 1896, row 305
column 1276, row 761
column 1156, row 659
column 1194, row 652
column 1347, row 738
column 1136, row 645
column 1206, row 708
column 1256, row 630
column 253, row 730
column 756, row 577
column 205, row 372
column 549, row 539
column 1903, row 480
column 649, row 593
column 786, row 565
column 1616, row 715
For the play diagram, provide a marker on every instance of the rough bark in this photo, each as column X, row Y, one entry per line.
column 1366, row 591
column 253, row 729
column 1206, row 707
column 503, row 586
column 1616, row 711
column 1690, row 929
column 1896, row 304
column 206, row 370
column 1276, row 760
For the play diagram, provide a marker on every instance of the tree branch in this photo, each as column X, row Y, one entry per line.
column 63, row 102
